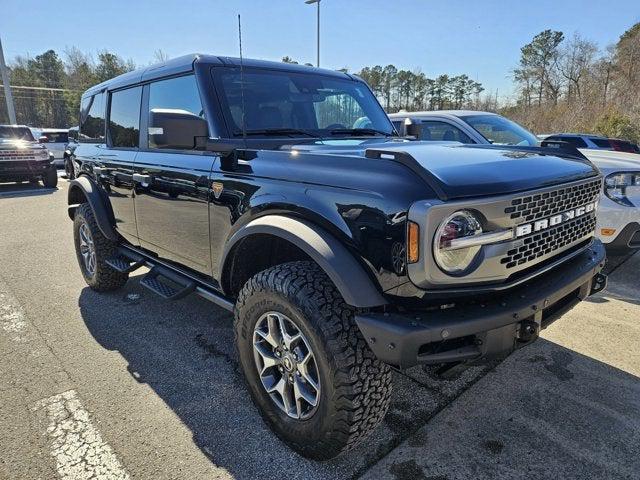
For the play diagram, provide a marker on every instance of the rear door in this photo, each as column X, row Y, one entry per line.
column 110, row 167
column 172, row 174
column 114, row 161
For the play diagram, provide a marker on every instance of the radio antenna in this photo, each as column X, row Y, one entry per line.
column 244, row 128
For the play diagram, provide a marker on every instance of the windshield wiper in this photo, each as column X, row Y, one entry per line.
column 359, row 132
column 272, row 132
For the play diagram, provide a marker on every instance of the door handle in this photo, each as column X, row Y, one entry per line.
column 145, row 180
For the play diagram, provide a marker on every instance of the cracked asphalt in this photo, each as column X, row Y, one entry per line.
column 124, row 385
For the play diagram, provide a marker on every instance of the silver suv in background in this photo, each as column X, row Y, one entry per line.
column 464, row 126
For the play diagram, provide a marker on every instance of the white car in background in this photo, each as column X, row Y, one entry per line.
column 55, row 139
column 618, row 214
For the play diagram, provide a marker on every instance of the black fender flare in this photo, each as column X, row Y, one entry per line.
column 345, row 271
column 99, row 205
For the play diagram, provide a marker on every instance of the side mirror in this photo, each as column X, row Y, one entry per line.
column 43, row 139
column 227, row 150
column 175, row 128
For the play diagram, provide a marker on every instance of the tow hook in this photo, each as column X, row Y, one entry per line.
column 598, row 283
column 529, row 331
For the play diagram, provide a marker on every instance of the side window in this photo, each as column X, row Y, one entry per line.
column 92, row 119
column 176, row 116
column 124, row 117
column 443, row 132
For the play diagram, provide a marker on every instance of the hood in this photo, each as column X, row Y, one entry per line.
column 459, row 171
column 13, row 144
column 610, row 161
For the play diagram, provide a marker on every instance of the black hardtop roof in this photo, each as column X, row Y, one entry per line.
column 185, row 64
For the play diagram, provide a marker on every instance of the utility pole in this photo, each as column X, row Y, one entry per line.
column 317, row 2
column 7, row 88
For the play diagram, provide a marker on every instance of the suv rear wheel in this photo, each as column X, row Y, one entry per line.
column 308, row 368
column 92, row 250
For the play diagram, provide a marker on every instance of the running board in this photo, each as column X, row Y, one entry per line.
column 164, row 279
column 167, row 284
column 125, row 261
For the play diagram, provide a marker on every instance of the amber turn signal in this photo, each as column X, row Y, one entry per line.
column 413, row 242
column 607, row 232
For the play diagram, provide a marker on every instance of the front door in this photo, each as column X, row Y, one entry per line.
column 172, row 206
column 171, row 175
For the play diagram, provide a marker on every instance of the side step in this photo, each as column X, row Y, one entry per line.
column 125, row 261
column 167, row 284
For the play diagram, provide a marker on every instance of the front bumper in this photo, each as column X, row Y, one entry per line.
column 23, row 168
column 480, row 329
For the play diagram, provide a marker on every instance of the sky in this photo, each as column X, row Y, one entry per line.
column 479, row 38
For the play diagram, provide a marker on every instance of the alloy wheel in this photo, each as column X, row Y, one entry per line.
column 87, row 249
column 286, row 365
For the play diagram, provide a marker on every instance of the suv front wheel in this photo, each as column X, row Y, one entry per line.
column 308, row 368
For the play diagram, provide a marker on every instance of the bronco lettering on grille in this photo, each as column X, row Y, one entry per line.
column 543, row 224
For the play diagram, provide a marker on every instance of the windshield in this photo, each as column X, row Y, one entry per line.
column 298, row 104
column 501, row 131
column 15, row 133
column 57, row 137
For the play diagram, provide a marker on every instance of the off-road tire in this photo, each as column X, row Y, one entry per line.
column 50, row 179
column 355, row 386
column 68, row 167
column 105, row 278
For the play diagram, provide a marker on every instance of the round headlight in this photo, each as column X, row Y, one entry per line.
column 448, row 256
column 620, row 186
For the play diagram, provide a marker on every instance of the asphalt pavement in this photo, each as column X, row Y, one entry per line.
column 125, row 385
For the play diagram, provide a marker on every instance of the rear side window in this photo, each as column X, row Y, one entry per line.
column 575, row 141
column 92, row 119
column 441, row 131
column 601, row 142
column 176, row 116
column 124, row 118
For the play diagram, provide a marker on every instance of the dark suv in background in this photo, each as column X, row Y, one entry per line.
column 22, row 158
column 282, row 193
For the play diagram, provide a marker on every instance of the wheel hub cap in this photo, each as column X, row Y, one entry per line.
column 87, row 249
column 286, row 365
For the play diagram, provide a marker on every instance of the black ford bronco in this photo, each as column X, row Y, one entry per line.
column 282, row 193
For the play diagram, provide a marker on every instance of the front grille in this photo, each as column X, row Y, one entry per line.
column 548, row 241
column 17, row 155
column 542, row 205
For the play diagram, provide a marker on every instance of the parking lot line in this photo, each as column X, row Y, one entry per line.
column 79, row 450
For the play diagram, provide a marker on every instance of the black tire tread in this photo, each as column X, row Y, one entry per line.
column 362, row 383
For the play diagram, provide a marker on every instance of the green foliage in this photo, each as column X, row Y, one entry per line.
column 58, row 84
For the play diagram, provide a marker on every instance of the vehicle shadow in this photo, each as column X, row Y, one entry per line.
column 26, row 189
column 185, row 352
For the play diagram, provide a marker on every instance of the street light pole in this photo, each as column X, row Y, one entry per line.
column 317, row 2
column 7, row 88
